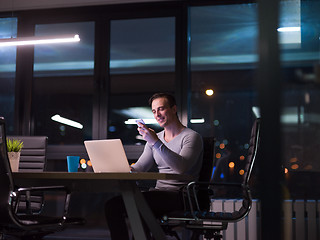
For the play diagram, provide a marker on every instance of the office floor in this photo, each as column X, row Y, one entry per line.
column 80, row 234
column 84, row 234
column 91, row 208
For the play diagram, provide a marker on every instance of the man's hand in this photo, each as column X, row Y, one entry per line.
column 147, row 134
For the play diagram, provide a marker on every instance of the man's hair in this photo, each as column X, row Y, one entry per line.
column 168, row 96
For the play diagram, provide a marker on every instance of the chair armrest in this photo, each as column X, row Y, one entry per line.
column 26, row 192
column 45, row 188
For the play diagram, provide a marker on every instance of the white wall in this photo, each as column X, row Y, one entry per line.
column 13, row 5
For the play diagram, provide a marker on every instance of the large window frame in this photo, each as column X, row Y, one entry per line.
column 101, row 16
column 269, row 83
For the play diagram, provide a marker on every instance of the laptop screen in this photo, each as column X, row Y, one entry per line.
column 107, row 155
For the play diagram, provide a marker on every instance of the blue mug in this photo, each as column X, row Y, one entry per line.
column 73, row 163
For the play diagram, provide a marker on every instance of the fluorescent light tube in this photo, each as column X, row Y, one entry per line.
column 289, row 29
column 66, row 121
column 21, row 41
column 201, row 120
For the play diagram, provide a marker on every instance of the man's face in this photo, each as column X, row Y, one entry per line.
column 162, row 112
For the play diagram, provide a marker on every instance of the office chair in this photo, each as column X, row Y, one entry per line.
column 32, row 159
column 33, row 153
column 205, row 175
column 27, row 225
column 202, row 221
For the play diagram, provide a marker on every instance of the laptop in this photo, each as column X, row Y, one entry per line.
column 107, row 155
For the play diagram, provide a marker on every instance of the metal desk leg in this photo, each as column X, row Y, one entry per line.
column 136, row 198
column 148, row 217
column 127, row 191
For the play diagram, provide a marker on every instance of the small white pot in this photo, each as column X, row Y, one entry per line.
column 14, row 158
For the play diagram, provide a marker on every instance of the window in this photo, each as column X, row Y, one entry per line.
column 63, row 84
column 8, row 29
column 300, row 115
column 223, row 59
column 142, row 62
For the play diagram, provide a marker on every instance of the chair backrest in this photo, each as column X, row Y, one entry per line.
column 208, row 159
column 33, row 153
column 237, row 215
column 251, row 157
column 206, row 171
column 6, row 180
column 252, row 150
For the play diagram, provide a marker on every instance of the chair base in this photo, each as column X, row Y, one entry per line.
column 207, row 234
column 208, row 231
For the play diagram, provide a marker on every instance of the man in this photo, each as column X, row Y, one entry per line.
column 176, row 149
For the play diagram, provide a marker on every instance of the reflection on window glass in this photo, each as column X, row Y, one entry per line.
column 8, row 29
column 142, row 62
column 289, row 30
column 67, row 59
column 300, row 115
column 223, row 37
column 223, row 60
column 63, row 85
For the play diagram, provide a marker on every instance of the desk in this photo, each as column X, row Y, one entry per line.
column 125, row 183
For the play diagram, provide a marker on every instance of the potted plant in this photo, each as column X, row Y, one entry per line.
column 14, row 147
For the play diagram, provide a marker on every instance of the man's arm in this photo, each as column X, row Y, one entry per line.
column 182, row 162
column 145, row 161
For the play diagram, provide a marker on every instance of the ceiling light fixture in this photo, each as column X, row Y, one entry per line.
column 21, row 41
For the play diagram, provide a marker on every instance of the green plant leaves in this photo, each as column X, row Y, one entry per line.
column 14, row 145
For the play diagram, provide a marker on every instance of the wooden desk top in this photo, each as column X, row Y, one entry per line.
column 101, row 176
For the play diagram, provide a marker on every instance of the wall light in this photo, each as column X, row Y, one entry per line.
column 21, row 41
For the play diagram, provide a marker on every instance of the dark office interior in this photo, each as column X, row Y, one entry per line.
column 132, row 49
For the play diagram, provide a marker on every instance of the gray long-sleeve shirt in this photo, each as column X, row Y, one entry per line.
column 182, row 155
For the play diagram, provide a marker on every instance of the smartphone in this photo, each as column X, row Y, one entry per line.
column 140, row 121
